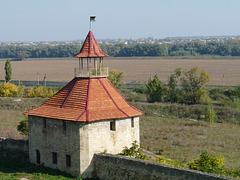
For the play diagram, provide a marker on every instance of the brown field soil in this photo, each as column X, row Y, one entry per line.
column 137, row 69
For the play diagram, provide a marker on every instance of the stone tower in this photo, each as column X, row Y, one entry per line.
column 86, row 116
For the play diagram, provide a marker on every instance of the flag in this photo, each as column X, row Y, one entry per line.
column 92, row 18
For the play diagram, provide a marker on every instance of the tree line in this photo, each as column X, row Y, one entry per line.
column 194, row 48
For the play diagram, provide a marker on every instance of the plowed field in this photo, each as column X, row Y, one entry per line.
column 137, row 70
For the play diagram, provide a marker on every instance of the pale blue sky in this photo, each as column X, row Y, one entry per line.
column 47, row 20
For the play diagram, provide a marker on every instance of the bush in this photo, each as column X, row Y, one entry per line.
column 205, row 99
column 23, row 127
column 224, row 114
column 164, row 160
column 134, row 151
column 132, row 96
column 8, row 90
column 40, row 91
column 212, row 164
column 210, row 115
column 217, row 93
column 234, row 103
column 207, row 163
column 141, row 90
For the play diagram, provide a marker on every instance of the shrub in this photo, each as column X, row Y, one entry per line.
column 23, row 127
column 212, row 164
column 210, row 115
column 134, row 151
column 164, row 160
column 217, row 93
column 235, row 102
column 8, row 89
column 141, row 90
column 40, row 91
column 205, row 99
column 207, row 163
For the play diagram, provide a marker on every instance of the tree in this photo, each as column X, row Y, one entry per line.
column 155, row 90
column 8, row 70
column 173, row 91
column 116, row 78
column 22, row 55
column 23, row 127
column 193, row 82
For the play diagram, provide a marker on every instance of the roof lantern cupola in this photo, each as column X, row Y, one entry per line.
column 91, row 59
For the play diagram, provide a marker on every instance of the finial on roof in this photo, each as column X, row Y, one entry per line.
column 92, row 18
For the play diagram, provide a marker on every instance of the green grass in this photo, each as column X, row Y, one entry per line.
column 13, row 169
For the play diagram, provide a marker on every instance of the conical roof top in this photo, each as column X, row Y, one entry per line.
column 86, row 100
column 90, row 48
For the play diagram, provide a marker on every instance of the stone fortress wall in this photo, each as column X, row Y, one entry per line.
column 110, row 167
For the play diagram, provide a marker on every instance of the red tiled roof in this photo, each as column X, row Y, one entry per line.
column 90, row 48
column 86, row 100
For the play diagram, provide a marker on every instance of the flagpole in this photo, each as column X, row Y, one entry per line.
column 90, row 24
column 92, row 18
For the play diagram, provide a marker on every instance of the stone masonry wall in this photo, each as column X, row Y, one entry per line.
column 115, row 167
column 53, row 138
column 110, row 167
column 97, row 137
column 14, row 149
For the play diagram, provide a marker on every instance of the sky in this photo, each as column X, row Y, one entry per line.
column 62, row 20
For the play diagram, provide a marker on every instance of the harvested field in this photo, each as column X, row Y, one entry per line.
column 137, row 69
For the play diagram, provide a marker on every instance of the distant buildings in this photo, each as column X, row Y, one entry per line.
column 167, row 40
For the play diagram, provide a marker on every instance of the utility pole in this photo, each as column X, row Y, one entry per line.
column 45, row 80
column 223, row 82
column 38, row 78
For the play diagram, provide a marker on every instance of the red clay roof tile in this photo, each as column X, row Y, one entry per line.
column 86, row 99
column 90, row 48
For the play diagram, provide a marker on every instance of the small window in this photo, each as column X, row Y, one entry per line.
column 68, row 160
column 54, row 157
column 132, row 122
column 113, row 125
column 38, row 156
column 64, row 126
column 45, row 123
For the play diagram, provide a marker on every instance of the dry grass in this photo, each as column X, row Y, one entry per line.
column 11, row 113
column 175, row 138
column 9, row 120
column 136, row 69
column 184, row 139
